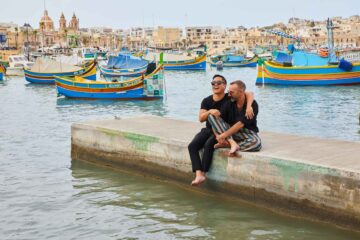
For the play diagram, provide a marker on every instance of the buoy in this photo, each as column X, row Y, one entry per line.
column 219, row 65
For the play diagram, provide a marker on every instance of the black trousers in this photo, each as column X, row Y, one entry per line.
column 204, row 139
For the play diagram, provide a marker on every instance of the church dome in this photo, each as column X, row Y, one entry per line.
column 46, row 17
column 46, row 23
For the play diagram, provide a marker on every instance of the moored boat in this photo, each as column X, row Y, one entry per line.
column 233, row 61
column 198, row 63
column 17, row 64
column 2, row 71
column 180, row 61
column 308, row 69
column 143, row 87
column 43, row 71
column 273, row 73
column 124, row 65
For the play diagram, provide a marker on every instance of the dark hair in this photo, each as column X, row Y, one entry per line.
column 240, row 84
column 220, row 76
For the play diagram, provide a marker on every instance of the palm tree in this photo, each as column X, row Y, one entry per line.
column 16, row 36
column 35, row 36
column 42, row 26
column 65, row 34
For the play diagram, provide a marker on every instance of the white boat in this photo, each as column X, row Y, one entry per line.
column 17, row 64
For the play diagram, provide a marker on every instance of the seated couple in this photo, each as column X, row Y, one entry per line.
column 230, row 122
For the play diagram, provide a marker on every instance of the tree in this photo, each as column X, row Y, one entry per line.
column 42, row 28
column 35, row 32
column 65, row 35
column 16, row 36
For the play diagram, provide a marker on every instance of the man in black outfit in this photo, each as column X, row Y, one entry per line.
column 206, row 138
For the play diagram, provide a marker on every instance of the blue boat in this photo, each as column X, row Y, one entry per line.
column 2, row 72
column 233, row 61
column 124, row 65
column 199, row 63
column 146, row 87
column 307, row 69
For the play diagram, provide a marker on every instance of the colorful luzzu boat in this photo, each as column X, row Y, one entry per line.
column 226, row 62
column 2, row 72
column 272, row 73
column 124, row 65
column 44, row 70
column 199, row 63
column 140, row 88
column 307, row 69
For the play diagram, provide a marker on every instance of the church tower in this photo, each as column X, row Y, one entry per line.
column 62, row 23
column 74, row 23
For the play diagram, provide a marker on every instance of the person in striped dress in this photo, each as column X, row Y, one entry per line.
column 231, row 127
column 205, row 139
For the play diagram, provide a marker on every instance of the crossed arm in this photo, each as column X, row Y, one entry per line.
column 203, row 114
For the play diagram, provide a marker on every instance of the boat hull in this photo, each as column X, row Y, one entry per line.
column 12, row 71
column 249, row 64
column 48, row 78
column 197, row 64
column 137, row 94
column 148, row 88
column 307, row 76
column 246, row 63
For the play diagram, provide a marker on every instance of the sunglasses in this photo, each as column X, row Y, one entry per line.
column 216, row 83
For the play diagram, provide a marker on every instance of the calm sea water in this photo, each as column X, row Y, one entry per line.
column 44, row 195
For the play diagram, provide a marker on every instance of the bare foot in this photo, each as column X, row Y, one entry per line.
column 198, row 180
column 219, row 145
column 235, row 154
column 234, row 148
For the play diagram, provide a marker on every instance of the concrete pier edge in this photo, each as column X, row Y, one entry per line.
column 321, row 188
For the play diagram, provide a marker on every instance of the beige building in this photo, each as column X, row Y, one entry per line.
column 167, row 37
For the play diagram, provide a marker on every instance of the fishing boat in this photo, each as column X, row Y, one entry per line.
column 17, row 64
column 233, row 61
column 179, row 60
column 2, row 72
column 89, row 54
column 145, row 87
column 309, row 69
column 273, row 73
column 44, row 69
column 124, row 65
column 197, row 63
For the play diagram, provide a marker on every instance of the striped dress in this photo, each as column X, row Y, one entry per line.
column 247, row 137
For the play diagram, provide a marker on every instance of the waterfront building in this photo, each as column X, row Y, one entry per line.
column 166, row 37
column 313, row 34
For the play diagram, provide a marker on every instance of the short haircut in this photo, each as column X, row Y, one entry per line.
column 220, row 76
column 241, row 85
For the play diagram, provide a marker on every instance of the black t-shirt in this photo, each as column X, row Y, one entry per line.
column 209, row 103
column 231, row 114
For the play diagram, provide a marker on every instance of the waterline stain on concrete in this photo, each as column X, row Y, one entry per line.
column 109, row 132
column 290, row 171
column 141, row 142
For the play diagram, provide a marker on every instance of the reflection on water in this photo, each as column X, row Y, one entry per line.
column 157, row 209
column 45, row 196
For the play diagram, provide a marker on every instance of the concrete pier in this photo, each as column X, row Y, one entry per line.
column 301, row 176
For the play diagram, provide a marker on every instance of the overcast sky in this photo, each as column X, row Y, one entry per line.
column 130, row 13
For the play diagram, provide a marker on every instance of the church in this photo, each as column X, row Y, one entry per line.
column 50, row 36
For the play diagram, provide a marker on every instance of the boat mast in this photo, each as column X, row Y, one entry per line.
column 330, row 27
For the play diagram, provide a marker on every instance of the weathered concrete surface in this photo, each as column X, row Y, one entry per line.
column 302, row 176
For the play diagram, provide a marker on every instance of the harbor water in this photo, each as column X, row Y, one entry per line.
column 45, row 195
